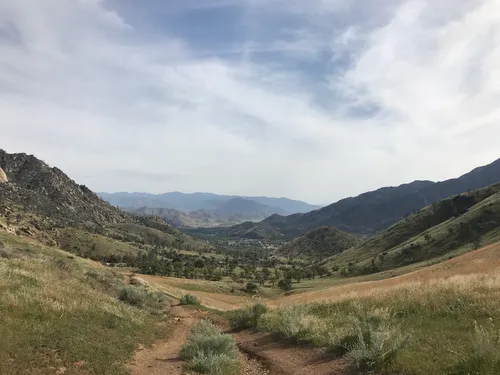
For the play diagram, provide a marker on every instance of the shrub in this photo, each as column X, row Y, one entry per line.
column 210, row 351
column 219, row 364
column 204, row 328
column 375, row 346
column 215, row 344
column 133, row 295
column 247, row 317
column 251, row 287
column 189, row 299
column 285, row 284
column 293, row 322
column 141, row 297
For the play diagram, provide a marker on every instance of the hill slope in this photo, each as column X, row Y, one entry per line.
column 246, row 207
column 43, row 202
column 231, row 212
column 180, row 219
column 466, row 220
column 371, row 212
column 319, row 244
column 61, row 313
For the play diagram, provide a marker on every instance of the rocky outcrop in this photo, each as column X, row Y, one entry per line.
column 3, row 176
column 48, row 191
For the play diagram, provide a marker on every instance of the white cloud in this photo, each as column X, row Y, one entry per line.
column 121, row 109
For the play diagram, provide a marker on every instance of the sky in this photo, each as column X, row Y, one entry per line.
column 314, row 100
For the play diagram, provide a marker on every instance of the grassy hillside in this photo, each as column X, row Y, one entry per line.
column 63, row 314
column 440, row 320
column 319, row 244
column 466, row 220
column 193, row 219
column 247, row 230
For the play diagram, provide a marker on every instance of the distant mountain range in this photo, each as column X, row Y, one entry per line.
column 205, row 209
column 370, row 212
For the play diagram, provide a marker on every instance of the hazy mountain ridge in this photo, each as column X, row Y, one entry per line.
column 373, row 211
column 200, row 201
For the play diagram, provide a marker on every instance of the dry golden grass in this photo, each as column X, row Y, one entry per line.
column 469, row 268
column 435, row 310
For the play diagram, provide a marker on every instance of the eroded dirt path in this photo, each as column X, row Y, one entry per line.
column 281, row 357
column 163, row 357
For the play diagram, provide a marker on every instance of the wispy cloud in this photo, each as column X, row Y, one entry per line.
column 315, row 100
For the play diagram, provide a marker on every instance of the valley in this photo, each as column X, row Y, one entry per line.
column 75, row 269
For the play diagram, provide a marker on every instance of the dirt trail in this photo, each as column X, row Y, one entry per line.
column 260, row 354
column 283, row 357
column 163, row 357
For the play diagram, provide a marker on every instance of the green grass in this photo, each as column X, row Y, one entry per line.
column 209, row 351
column 94, row 246
column 189, row 299
column 57, row 310
column 484, row 359
column 319, row 243
column 449, row 326
column 161, row 235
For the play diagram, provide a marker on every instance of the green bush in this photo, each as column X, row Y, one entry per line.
column 204, row 328
column 375, row 345
column 208, row 345
column 133, row 295
column 215, row 364
column 247, row 317
column 285, row 284
column 189, row 299
column 251, row 287
column 209, row 351
column 141, row 297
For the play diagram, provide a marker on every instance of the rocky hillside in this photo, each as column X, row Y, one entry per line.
column 377, row 210
column 49, row 192
column 41, row 201
column 319, row 244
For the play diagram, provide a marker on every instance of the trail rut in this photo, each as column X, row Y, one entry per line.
column 163, row 357
column 283, row 357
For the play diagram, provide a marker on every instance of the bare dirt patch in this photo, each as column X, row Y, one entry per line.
column 284, row 357
column 163, row 357
column 217, row 301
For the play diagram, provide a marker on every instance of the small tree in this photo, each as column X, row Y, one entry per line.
column 476, row 243
column 285, row 284
column 251, row 287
